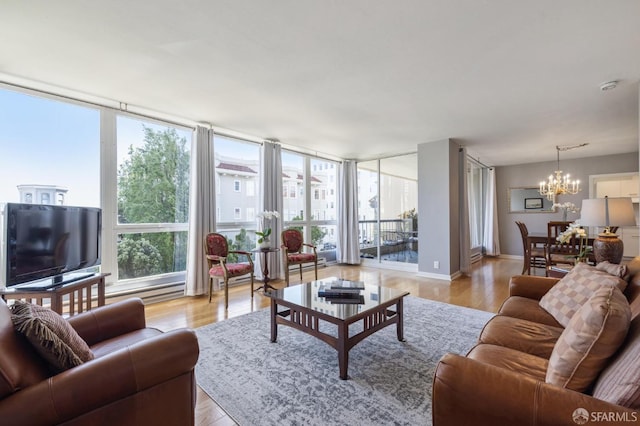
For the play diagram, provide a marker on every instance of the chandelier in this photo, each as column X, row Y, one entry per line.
column 560, row 184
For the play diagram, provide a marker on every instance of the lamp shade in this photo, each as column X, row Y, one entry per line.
column 607, row 212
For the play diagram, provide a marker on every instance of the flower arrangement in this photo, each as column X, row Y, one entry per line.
column 577, row 230
column 263, row 235
column 567, row 207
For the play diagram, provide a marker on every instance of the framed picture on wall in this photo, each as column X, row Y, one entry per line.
column 532, row 203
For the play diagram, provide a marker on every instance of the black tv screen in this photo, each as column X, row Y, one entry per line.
column 47, row 241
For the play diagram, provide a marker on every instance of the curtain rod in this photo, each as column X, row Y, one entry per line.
column 478, row 162
column 122, row 106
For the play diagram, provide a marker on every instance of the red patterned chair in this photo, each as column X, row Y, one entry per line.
column 217, row 252
column 293, row 254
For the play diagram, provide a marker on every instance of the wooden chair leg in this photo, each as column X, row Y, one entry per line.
column 226, row 293
column 252, row 286
column 300, row 265
column 210, row 288
column 286, row 273
column 315, row 267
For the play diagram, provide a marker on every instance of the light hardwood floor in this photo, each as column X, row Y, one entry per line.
column 485, row 288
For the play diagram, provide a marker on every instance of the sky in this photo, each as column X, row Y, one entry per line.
column 49, row 142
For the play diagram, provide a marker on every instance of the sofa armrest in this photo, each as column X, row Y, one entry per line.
column 467, row 391
column 103, row 381
column 530, row 286
column 105, row 322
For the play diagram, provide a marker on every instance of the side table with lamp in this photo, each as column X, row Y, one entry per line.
column 606, row 212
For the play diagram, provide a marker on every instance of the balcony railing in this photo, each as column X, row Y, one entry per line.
column 397, row 239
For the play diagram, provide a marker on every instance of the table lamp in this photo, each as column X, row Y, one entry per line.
column 607, row 212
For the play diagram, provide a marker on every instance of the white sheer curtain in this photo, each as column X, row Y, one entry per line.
column 202, row 208
column 463, row 208
column 348, row 250
column 271, row 200
column 491, row 238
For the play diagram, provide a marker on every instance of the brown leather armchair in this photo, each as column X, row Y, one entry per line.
column 140, row 375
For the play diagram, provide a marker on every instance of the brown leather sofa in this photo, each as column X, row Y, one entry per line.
column 495, row 383
column 139, row 375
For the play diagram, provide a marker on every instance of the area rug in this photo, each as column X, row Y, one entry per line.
column 295, row 380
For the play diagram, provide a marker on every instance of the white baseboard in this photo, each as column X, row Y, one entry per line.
column 443, row 277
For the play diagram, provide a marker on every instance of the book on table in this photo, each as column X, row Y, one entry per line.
column 328, row 292
column 355, row 300
column 345, row 284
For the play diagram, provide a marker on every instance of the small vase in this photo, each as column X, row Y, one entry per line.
column 265, row 244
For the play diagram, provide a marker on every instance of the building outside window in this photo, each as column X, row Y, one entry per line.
column 237, row 161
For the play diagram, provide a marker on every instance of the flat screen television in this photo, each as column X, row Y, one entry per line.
column 49, row 245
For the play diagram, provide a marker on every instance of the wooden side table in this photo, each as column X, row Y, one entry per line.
column 264, row 263
column 79, row 293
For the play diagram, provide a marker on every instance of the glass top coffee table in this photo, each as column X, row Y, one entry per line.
column 300, row 307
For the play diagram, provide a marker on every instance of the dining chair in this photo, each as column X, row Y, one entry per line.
column 557, row 252
column 535, row 256
column 217, row 252
column 293, row 252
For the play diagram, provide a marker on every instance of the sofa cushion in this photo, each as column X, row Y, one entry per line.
column 108, row 346
column 614, row 269
column 593, row 335
column 510, row 359
column 51, row 335
column 619, row 382
column 20, row 365
column 564, row 299
column 527, row 309
column 522, row 335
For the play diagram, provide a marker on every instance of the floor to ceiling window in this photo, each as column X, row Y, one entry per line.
column 153, row 162
column 476, row 198
column 58, row 151
column 368, row 233
column 137, row 170
column 309, row 199
column 387, row 206
column 237, row 179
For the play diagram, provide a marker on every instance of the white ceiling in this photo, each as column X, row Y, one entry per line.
column 351, row 78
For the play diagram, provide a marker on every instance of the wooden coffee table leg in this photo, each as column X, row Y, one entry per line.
column 274, row 323
column 399, row 324
column 343, row 351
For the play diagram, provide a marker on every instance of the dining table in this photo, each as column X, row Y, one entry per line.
column 541, row 239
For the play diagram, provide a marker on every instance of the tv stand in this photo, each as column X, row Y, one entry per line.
column 58, row 281
column 76, row 295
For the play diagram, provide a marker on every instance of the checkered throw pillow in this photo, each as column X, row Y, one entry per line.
column 594, row 334
column 564, row 299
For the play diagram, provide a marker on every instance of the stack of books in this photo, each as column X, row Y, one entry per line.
column 342, row 292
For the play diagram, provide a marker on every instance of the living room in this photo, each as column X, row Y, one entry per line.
column 328, row 83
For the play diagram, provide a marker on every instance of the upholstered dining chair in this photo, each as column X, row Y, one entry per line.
column 217, row 252
column 293, row 254
column 534, row 255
